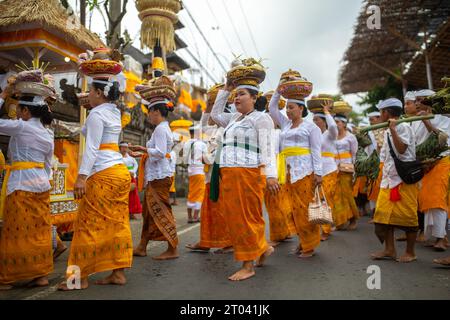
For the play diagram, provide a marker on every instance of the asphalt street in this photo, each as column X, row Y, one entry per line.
column 338, row 271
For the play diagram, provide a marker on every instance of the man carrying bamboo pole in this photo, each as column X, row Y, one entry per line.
column 397, row 201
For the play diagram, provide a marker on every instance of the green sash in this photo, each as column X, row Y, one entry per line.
column 215, row 177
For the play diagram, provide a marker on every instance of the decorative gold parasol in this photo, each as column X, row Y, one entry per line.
column 158, row 18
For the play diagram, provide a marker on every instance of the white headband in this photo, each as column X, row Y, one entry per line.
column 343, row 119
column 247, row 87
column 123, row 144
column 374, row 114
column 320, row 115
column 296, row 101
column 165, row 101
column 38, row 101
column 108, row 86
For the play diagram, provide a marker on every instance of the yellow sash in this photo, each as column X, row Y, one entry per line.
column 21, row 165
column 141, row 170
column 344, row 155
column 328, row 154
column 288, row 152
column 109, row 146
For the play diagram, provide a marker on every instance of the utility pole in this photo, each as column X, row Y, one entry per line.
column 83, row 12
column 115, row 9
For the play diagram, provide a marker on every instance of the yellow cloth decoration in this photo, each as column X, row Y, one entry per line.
column 125, row 119
column 21, row 165
column 281, row 161
column 186, row 99
column 158, row 64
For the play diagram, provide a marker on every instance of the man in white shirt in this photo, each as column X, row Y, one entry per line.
column 397, row 201
column 194, row 151
column 433, row 195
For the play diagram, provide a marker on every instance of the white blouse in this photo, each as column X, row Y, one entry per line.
column 131, row 164
column 247, row 143
column 215, row 135
column 306, row 135
column 329, row 145
column 103, row 126
column 390, row 178
column 421, row 132
column 158, row 166
column 348, row 144
column 31, row 142
column 194, row 150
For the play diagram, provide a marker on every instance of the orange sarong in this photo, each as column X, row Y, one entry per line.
column 172, row 186
column 196, row 188
column 213, row 226
column 374, row 187
column 102, row 236
column 301, row 194
column 398, row 213
column 329, row 187
column 280, row 218
column 434, row 191
column 159, row 222
column 344, row 204
column 243, row 192
column 26, row 237
column 360, row 186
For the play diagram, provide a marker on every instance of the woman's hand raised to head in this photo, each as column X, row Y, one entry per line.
column 230, row 85
column 327, row 106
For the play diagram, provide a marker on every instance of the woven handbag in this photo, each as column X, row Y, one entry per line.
column 319, row 212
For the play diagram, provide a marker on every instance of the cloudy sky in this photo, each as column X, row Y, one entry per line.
column 308, row 36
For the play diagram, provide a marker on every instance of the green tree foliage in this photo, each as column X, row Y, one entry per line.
column 392, row 89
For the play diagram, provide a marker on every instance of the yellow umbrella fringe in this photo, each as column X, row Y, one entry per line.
column 172, row 5
column 158, row 28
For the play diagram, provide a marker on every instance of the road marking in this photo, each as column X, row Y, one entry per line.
column 48, row 291
column 44, row 293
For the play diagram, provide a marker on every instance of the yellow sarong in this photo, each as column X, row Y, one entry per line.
column 301, row 194
column 242, row 191
column 196, row 188
column 102, row 236
column 281, row 160
column 398, row 213
column 26, row 237
column 344, row 204
column 329, row 187
column 280, row 218
column 20, row 165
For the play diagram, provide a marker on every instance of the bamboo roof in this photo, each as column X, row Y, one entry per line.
column 374, row 53
column 49, row 15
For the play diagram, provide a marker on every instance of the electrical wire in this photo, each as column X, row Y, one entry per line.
column 234, row 27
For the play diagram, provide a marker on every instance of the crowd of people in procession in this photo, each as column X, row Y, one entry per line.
column 247, row 152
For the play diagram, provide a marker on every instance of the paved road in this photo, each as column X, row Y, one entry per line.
column 338, row 271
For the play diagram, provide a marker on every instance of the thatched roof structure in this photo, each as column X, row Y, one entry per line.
column 50, row 15
column 397, row 46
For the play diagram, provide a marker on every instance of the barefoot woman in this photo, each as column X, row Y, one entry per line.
column 299, row 166
column 213, row 228
column 102, row 236
column 156, row 174
column 246, row 148
column 329, row 130
column 26, row 238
